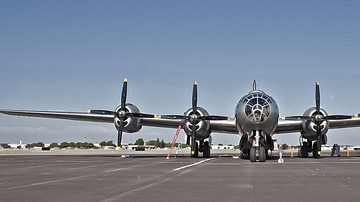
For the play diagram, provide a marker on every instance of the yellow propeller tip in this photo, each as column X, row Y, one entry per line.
column 228, row 118
column 125, row 80
column 317, row 83
column 89, row 111
column 195, row 83
column 118, row 148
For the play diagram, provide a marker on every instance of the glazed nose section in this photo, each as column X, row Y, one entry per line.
column 257, row 109
column 257, row 113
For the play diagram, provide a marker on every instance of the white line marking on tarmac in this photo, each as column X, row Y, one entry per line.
column 117, row 197
column 114, row 170
column 46, row 182
column 61, row 180
column 194, row 164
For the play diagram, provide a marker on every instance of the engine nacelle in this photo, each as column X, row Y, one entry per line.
column 202, row 126
column 309, row 127
column 131, row 124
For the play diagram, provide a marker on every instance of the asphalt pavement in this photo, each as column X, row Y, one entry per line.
column 110, row 177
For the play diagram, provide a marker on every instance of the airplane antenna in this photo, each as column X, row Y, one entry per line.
column 254, row 85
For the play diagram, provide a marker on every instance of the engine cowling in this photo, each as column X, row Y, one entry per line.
column 309, row 127
column 131, row 124
column 202, row 126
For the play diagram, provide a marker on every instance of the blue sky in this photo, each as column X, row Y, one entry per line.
column 73, row 55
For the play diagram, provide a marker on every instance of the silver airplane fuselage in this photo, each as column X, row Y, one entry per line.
column 256, row 111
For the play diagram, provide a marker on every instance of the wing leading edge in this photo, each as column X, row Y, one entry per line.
column 290, row 126
column 77, row 116
column 219, row 126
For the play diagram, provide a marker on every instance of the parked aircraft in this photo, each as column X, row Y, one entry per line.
column 256, row 121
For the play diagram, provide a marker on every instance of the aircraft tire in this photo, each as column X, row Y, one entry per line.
column 262, row 154
column 206, row 150
column 304, row 151
column 244, row 154
column 315, row 150
column 252, row 154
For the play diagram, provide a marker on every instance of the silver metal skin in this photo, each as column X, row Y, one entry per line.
column 256, row 121
column 202, row 126
column 256, row 111
column 131, row 124
column 309, row 127
column 257, row 117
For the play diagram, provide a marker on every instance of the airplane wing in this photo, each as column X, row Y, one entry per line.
column 221, row 126
column 229, row 126
column 290, row 126
column 78, row 116
column 345, row 123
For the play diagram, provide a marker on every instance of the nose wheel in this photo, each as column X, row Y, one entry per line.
column 257, row 153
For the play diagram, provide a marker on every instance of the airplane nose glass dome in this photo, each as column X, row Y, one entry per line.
column 257, row 108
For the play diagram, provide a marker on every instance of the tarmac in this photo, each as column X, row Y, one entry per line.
column 148, row 176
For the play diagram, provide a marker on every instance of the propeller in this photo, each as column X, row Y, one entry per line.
column 122, row 113
column 318, row 118
column 193, row 118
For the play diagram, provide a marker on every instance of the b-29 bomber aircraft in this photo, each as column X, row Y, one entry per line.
column 256, row 121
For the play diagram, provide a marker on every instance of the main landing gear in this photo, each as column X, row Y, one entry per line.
column 203, row 147
column 307, row 147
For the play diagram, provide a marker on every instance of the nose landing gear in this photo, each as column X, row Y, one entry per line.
column 258, row 151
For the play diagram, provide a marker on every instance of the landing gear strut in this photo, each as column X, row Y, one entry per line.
column 257, row 151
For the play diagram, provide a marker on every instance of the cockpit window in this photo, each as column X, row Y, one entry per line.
column 257, row 109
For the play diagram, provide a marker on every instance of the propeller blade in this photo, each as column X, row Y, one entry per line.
column 172, row 116
column 194, row 97
column 317, row 97
column 295, row 118
column 123, row 95
column 142, row 115
column 214, row 118
column 120, row 130
column 319, row 140
column 105, row 112
column 193, row 141
column 338, row 117
column 194, row 108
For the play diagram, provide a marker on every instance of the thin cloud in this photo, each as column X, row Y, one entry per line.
column 26, row 130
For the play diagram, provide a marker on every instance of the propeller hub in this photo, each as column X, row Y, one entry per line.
column 193, row 118
column 319, row 118
column 121, row 114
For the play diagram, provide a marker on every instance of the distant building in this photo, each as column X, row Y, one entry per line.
column 222, row 147
column 136, row 147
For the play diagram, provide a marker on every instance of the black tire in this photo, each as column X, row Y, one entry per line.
column 262, row 154
column 252, row 154
column 315, row 150
column 245, row 153
column 206, row 150
column 304, row 151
